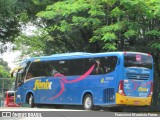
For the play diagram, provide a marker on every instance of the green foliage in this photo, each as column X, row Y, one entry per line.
column 17, row 13
column 4, row 69
column 83, row 25
column 5, row 80
column 5, row 65
column 38, row 41
column 24, row 17
column 130, row 33
column 8, row 22
column 153, row 33
column 109, row 37
column 3, row 72
column 116, row 12
column 108, row 21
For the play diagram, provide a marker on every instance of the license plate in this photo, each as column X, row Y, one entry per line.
column 136, row 102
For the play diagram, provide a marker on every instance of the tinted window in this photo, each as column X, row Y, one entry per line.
column 34, row 70
column 50, row 68
column 62, row 67
column 20, row 75
column 76, row 67
column 137, row 60
column 103, row 65
column 88, row 63
column 10, row 94
column 108, row 64
column 47, row 68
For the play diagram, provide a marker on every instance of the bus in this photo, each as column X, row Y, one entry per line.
column 87, row 79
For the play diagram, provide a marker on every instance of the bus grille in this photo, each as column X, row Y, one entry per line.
column 137, row 76
column 109, row 95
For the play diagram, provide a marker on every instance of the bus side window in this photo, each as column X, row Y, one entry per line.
column 88, row 63
column 109, row 63
column 51, row 68
column 48, row 68
column 20, row 77
column 62, row 67
column 29, row 75
column 34, row 70
column 99, row 69
column 75, row 67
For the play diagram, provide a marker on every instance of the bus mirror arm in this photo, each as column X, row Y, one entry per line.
column 14, row 70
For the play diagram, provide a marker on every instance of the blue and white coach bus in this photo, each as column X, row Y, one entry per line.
column 88, row 79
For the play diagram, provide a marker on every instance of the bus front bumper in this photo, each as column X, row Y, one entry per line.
column 135, row 101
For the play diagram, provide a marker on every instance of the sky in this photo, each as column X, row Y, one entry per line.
column 10, row 57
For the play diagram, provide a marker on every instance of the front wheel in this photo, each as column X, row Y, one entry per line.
column 88, row 102
column 31, row 101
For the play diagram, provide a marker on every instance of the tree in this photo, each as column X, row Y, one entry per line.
column 96, row 26
column 5, row 81
column 15, row 15
column 110, row 24
column 3, row 72
column 5, row 65
column 8, row 22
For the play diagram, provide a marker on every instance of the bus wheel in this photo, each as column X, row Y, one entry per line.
column 31, row 101
column 88, row 102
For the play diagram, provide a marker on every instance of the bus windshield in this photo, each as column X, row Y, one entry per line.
column 137, row 60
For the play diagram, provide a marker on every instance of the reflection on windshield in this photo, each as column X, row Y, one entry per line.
column 137, row 60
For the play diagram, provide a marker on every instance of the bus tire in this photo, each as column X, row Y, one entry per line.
column 31, row 101
column 88, row 102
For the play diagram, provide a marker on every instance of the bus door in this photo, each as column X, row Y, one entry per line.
column 17, row 72
column 138, row 75
column 19, row 82
column 20, row 76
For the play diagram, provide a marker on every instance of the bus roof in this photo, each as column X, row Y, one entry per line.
column 74, row 55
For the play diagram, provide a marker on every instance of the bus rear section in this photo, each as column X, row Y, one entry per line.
column 136, row 86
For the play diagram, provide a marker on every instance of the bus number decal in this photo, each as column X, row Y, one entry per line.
column 109, row 78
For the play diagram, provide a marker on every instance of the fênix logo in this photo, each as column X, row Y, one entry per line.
column 39, row 85
column 141, row 89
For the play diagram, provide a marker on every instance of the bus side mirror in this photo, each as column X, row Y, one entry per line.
column 15, row 70
column 19, row 84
